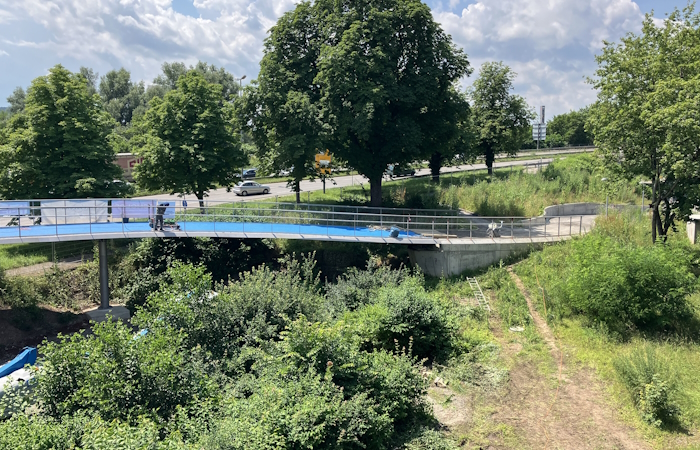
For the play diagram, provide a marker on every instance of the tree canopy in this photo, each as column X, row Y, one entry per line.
column 121, row 96
column 58, row 146
column 569, row 129
column 282, row 107
column 501, row 119
column 645, row 121
column 189, row 144
column 372, row 80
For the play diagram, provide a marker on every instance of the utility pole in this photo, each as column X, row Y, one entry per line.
column 539, row 130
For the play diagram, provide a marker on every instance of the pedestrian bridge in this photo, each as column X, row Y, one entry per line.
column 30, row 221
column 442, row 242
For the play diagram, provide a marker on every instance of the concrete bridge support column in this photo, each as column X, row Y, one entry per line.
column 449, row 259
column 104, row 275
column 104, row 312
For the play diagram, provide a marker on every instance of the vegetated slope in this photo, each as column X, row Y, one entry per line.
column 629, row 310
column 507, row 193
column 275, row 360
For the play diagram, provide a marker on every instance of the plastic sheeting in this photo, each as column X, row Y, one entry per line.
column 14, row 209
column 133, row 209
column 61, row 212
column 28, row 356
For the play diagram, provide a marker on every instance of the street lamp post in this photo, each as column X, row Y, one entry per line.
column 240, row 82
column 606, row 196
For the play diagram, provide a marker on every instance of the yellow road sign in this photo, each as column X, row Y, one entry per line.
column 323, row 163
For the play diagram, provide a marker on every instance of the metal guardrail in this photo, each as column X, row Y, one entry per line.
column 94, row 217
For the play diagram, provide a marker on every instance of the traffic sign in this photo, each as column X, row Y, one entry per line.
column 323, row 163
column 539, row 131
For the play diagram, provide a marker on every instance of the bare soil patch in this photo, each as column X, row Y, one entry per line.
column 566, row 412
column 23, row 327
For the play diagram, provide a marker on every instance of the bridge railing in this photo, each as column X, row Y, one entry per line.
column 92, row 217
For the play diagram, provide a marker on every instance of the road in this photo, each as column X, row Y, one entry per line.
column 281, row 189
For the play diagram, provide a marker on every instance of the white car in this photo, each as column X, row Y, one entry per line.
column 250, row 187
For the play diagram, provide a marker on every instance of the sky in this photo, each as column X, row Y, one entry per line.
column 550, row 44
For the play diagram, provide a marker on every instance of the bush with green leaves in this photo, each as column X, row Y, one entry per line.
column 626, row 287
column 316, row 388
column 356, row 287
column 145, row 268
column 405, row 316
column 644, row 372
column 117, row 373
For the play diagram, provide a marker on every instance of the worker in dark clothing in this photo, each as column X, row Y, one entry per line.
column 160, row 211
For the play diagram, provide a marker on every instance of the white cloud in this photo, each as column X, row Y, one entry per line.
column 149, row 32
column 551, row 44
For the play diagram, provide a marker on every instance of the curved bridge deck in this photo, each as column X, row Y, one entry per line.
column 28, row 221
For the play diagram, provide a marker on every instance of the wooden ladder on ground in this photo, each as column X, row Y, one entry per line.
column 480, row 299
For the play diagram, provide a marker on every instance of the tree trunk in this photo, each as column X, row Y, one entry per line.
column 489, row 157
column 297, row 190
column 375, row 189
column 435, row 164
column 655, row 209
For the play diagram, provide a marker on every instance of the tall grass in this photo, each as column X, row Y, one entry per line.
column 510, row 192
column 627, row 371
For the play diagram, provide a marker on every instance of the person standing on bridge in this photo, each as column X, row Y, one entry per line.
column 160, row 211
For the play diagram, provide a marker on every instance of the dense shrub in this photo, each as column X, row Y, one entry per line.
column 119, row 374
column 254, row 309
column 405, row 316
column 646, row 377
column 299, row 411
column 146, row 266
column 357, row 287
column 629, row 287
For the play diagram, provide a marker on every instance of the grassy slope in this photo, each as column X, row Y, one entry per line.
column 569, row 179
column 592, row 347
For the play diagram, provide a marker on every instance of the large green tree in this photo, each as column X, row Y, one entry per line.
column 121, row 96
column 370, row 80
column 386, row 71
column 173, row 71
column 281, row 107
column 58, row 146
column 646, row 121
column 501, row 119
column 570, row 128
column 189, row 143
column 17, row 100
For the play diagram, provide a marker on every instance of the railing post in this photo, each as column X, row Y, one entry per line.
column 580, row 225
column 433, row 235
column 89, row 219
column 545, row 226
column 570, row 220
column 559, row 227
column 448, row 229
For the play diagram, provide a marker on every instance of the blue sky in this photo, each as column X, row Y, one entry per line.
column 549, row 43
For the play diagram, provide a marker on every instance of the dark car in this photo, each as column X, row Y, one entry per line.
column 248, row 174
column 400, row 171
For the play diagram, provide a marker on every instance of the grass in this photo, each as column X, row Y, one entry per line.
column 594, row 347
column 506, row 193
column 21, row 255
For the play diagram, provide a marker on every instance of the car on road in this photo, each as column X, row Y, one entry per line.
column 397, row 170
column 249, row 173
column 245, row 188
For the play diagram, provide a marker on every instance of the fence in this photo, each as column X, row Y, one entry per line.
column 92, row 218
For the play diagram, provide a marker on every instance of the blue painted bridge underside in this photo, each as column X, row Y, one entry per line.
column 116, row 230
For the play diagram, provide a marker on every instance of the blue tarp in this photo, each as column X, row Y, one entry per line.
column 28, row 356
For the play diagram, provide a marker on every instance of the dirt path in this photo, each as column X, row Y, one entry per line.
column 566, row 412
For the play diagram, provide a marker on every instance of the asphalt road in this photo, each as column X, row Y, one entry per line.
column 280, row 189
